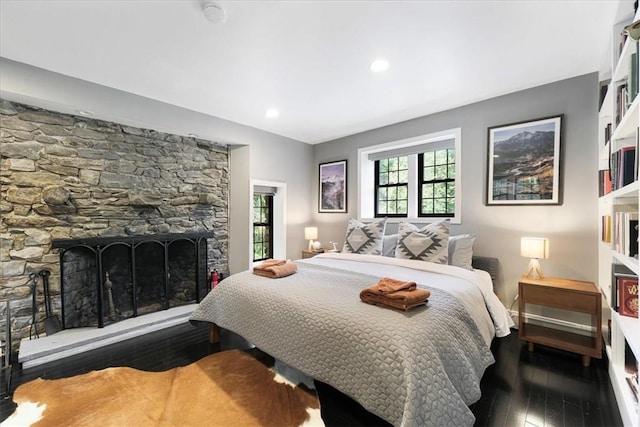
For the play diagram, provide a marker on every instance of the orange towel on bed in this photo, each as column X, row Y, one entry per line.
column 403, row 299
column 275, row 268
column 387, row 284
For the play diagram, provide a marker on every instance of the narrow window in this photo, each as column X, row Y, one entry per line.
column 437, row 183
column 262, row 226
column 391, row 186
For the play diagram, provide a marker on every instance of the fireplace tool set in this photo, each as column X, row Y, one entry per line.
column 51, row 321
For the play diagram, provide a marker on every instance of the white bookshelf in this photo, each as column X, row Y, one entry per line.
column 625, row 331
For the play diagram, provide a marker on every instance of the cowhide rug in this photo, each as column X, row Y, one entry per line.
column 230, row 388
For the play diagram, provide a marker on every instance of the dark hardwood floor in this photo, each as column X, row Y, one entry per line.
column 543, row 388
column 546, row 387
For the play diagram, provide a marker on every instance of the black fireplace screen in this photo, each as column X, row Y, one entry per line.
column 105, row 280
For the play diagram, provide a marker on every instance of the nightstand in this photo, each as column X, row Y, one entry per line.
column 563, row 294
column 311, row 254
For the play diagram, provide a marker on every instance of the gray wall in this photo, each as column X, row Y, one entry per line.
column 570, row 227
column 267, row 156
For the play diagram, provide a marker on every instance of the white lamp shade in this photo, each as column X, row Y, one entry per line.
column 534, row 247
column 310, row 233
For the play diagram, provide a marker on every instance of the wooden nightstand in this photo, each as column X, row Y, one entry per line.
column 564, row 294
column 311, row 254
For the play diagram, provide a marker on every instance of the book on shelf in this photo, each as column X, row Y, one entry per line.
column 633, row 385
column 632, row 78
column 604, row 182
column 622, row 41
column 627, row 165
column 627, row 296
column 626, row 233
column 619, row 272
column 631, row 236
column 623, row 167
column 621, row 102
column 606, row 228
column 631, row 367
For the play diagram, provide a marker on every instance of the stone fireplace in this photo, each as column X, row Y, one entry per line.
column 67, row 178
column 106, row 280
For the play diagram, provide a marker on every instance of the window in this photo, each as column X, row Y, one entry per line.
column 416, row 178
column 437, row 183
column 262, row 226
column 392, row 179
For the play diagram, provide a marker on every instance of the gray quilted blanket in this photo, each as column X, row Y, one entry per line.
column 420, row 368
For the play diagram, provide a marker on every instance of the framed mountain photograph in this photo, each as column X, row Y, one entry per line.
column 333, row 187
column 523, row 163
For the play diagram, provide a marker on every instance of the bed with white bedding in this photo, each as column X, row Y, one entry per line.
column 417, row 368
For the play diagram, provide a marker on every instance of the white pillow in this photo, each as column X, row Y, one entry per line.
column 461, row 250
column 429, row 243
column 389, row 243
column 364, row 238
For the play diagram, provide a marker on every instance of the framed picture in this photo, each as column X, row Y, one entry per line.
column 333, row 187
column 524, row 163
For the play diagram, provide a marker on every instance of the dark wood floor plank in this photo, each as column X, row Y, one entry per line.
column 499, row 409
column 573, row 414
column 554, row 410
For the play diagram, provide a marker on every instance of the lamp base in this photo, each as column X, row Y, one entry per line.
column 310, row 245
column 534, row 271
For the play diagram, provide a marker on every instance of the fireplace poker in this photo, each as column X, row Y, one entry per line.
column 51, row 321
column 33, row 328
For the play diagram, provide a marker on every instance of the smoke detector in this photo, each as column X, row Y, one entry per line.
column 214, row 13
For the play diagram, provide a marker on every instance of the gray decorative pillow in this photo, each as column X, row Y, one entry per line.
column 461, row 250
column 429, row 243
column 364, row 238
column 389, row 243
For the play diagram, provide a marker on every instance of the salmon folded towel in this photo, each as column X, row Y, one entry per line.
column 387, row 284
column 275, row 268
column 401, row 299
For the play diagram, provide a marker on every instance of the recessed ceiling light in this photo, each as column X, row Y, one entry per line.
column 379, row 65
column 272, row 113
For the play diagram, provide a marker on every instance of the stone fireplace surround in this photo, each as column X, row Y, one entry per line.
column 70, row 177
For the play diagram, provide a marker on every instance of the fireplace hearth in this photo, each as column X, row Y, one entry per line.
column 110, row 279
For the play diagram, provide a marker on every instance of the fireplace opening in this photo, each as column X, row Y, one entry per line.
column 105, row 280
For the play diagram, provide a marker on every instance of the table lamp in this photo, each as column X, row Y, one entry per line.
column 535, row 248
column 310, row 234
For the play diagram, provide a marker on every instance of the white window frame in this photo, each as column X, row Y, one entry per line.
column 366, row 179
column 279, row 217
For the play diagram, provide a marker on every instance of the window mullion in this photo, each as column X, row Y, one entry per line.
column 412, row 188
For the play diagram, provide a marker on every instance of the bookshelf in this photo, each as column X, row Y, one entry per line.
column 619, row 129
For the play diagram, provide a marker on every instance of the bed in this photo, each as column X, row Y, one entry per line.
column 417, row 368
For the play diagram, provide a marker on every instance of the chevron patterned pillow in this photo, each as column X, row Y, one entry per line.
column 429, row 243
column 364, row 238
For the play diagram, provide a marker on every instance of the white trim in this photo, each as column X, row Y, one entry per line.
column 279, row 217
column 366, row 197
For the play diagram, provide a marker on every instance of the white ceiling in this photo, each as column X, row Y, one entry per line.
column 310, row 58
